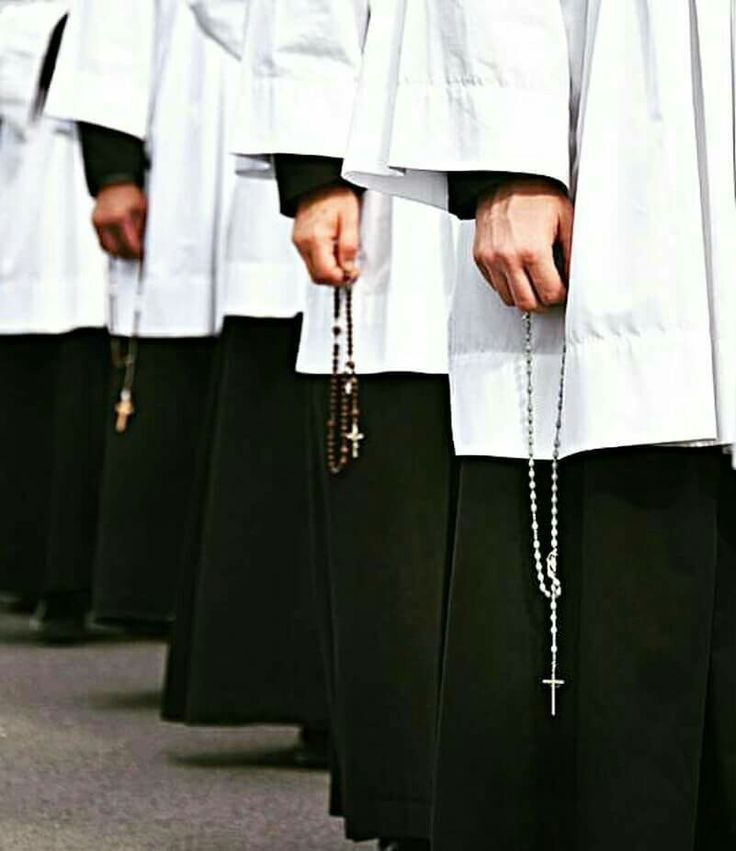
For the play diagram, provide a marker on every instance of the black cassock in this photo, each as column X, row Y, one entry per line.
column 642, row 754
column 148, row 474
column 383, row 532
column 246, row 644
column 27, row 370
column 52, row 428
column 384, row 543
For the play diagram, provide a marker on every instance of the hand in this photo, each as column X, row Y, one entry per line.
column 516, row 231
column 327, row 235
column 120, row 220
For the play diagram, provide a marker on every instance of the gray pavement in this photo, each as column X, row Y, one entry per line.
column 86, row 764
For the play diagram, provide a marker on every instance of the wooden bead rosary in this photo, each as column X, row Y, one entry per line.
column 343, row 425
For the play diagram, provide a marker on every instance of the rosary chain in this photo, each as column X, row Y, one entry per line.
column 127, row 361
column 343, row 423
column 547, row 575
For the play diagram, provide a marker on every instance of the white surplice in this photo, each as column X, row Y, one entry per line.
column 144, row 68
column 631, row 104
column 52, row 271
column 302, row 60
column 261, row 274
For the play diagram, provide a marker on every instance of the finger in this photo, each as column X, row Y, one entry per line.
column 108, row 241
column 314, row 268
column 521, row 289
column 501, row 285
column 325, row 267
column 497, row 279
column 131, row 238
column 564, row 237
column 120, row 239
column 348, row 242
column 545, row 277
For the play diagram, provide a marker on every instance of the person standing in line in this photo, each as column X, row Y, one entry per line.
column 53, row 348
column 245, row 646
column 589, row 694
column 146, row 89
column 383, row 463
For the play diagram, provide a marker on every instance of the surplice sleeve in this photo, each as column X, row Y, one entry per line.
column 300, row 69
column 105, row 71
column 470, row 86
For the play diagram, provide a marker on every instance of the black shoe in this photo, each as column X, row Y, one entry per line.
column 62, row 618
column 20, row 605
column 404, row 845
column 313, row 750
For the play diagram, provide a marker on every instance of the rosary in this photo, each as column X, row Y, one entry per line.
column 546, row 569
column 128, row 360
column 343, row 425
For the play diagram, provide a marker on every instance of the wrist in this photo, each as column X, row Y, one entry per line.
column 338, row 191
column 521, row 184
column 117, row 181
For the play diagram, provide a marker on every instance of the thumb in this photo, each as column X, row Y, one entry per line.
column 564, row 235
column 348, row 241
column 132, row 231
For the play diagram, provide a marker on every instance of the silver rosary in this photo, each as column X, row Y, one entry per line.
column 547, row 575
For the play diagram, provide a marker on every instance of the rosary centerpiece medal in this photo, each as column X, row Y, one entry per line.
column 344, row 436
column 547, row 575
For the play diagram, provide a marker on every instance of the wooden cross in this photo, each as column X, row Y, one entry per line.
column 125, row 410
column 554, row 684
column 355, row 437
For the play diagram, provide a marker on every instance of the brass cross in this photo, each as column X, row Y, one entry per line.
column 125, row 410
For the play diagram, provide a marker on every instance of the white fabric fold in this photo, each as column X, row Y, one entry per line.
column 25, row 30
column 147, row 69
column 301, row 66
column 650, row 154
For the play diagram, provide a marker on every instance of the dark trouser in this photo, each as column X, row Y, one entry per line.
column 246, row 645
column 147, row 480
column 646, row 736
column 383, row 542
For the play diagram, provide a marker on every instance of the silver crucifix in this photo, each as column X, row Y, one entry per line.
column 554, row 684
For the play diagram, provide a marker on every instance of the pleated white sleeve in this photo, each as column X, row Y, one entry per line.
column 301, row 64
column 106, row 65
column 473, row 85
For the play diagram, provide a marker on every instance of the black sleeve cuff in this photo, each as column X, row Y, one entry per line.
column 111, row 157
column 298, row 176
column 466, row 188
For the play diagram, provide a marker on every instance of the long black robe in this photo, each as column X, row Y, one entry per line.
column 147, row 481
column 643, row 753
column 382, row 542
column 245, row 646
column 27, row 376
column 383, row 545
column 79, row 415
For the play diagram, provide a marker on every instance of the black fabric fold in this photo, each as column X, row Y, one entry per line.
column 299, row 175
